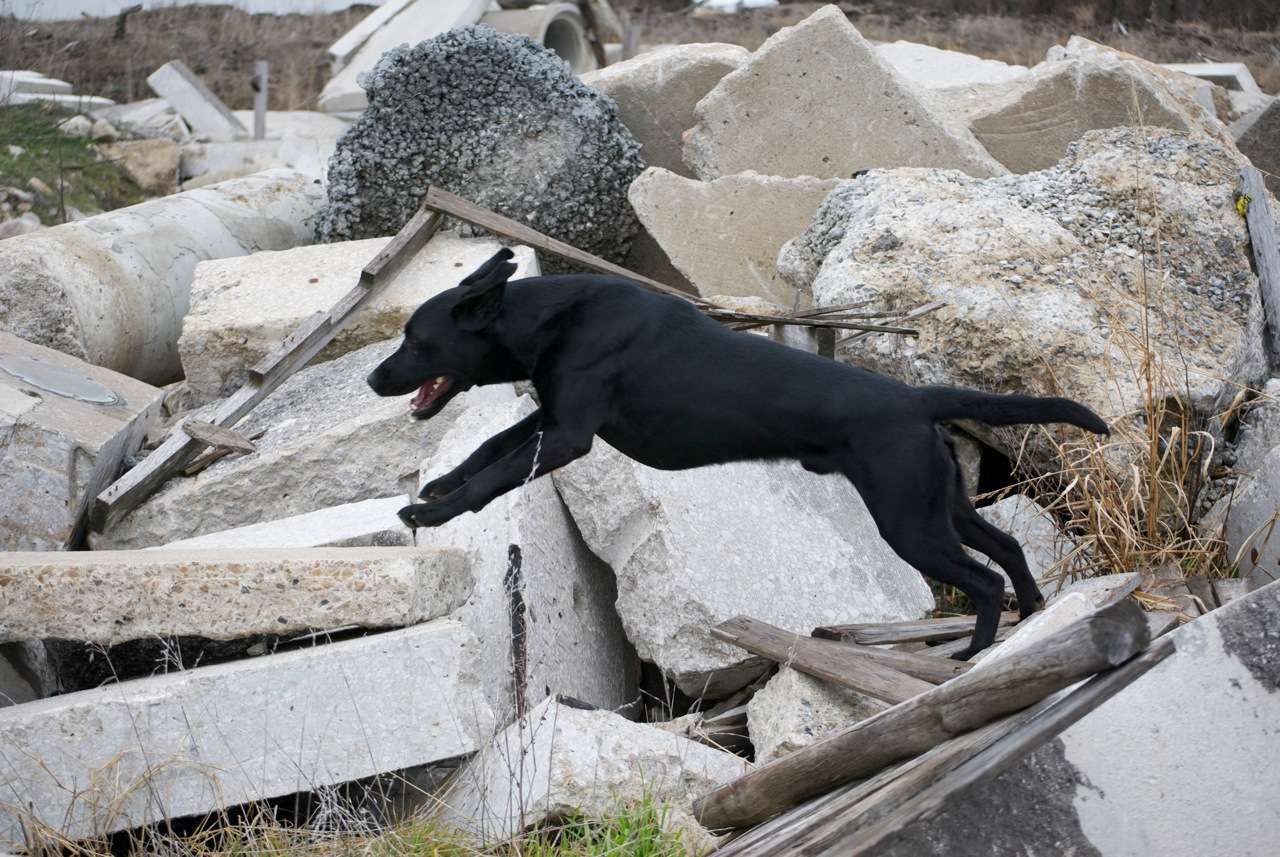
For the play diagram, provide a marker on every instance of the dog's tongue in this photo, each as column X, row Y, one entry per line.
column 429, row 392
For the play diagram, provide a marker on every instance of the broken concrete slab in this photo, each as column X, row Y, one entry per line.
column 108, row 597
column 693, row 548
column 1047, row 550
column 933, row 68
column 822, row 82
column 656, row 93
column 1102, row 590
column 366, row 523
column 66, row 427
column 414, row 22
column 195, row 102
column 14, row 81
column 562, row 761
column 1039, row 271
column 242, row 307
column 194, row 741
column 1104, row 786
column 724, row 235
column 1242, row 90
column 324, row 422
column 543, row 604
column 113, row 289
column 1260, row 143
column 1030, row 126
column 150, row 164
column 794, row 710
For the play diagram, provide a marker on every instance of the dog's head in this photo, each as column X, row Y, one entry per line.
column 448, row 347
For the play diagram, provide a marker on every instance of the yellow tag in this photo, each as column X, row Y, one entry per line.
column 1242, row 204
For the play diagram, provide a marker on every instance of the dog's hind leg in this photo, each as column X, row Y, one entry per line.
column 981, row 535
column 497, row 447
column 908, row 487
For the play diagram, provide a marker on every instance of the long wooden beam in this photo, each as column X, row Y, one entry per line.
column 1266, row 255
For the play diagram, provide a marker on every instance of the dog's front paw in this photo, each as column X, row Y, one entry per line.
column 442, row 487
column 424, row 515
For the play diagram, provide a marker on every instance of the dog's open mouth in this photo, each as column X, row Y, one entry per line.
column 431, row 396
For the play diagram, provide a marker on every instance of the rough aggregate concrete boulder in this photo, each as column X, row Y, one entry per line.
column 693, row 548
column 657, row 91
column 112, row 289
column 1043, row 276
column 65, row 430
column 794, row 710
column 1154, row 770
column 108, row 597
column 724, row 235
column 203, row 739
column 328, row 439
column 562, row 761
column 543, row 604
column 1043, row 544
column 803, row 105
column 498, row 120
column 241, row 308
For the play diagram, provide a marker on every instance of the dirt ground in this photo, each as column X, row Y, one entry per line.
column 220, row 43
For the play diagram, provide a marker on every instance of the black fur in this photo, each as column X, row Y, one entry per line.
column 673, row 389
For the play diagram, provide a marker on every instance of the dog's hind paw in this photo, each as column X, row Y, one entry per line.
column 425, row 515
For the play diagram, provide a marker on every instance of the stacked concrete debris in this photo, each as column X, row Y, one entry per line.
column 498, row 120
column 274, row 585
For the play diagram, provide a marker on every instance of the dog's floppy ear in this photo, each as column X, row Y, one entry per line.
column 480, row 305
column 485, row 270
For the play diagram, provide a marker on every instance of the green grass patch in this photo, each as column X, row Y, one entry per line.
column 77, row 177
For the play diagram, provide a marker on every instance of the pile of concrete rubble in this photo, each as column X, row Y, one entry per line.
column 262, row 625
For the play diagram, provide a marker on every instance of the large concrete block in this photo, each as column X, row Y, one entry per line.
column 65, row 429
column 657, row 91
column 366, row 523
column 794, row 710
column 195, row 102
column 543, row 604
column 327, row 440
column 1260, row 143
column 816, row 100
column 694, row 548
column 242, row 307
column 414, row 22
column 113, row 289
column 131, row 754
column 1181, row 763
column 108, row 597
column 561, row 761
column 724, row 235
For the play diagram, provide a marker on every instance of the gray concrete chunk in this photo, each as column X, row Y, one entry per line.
column 794, row 710
column 108, row 597
column 817, row 100
column 65, row 429
column 125, row 755
column 195, row 102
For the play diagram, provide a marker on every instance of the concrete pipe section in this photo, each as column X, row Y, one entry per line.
column 557, row 26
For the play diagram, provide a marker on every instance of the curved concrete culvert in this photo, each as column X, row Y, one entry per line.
column 113, row 289
column 498, row 120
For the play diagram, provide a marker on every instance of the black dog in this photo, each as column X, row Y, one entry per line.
column 673, row 389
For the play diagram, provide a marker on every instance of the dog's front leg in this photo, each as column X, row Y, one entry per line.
column 492, row 450
column 539, row 454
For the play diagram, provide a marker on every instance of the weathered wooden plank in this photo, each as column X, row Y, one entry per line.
column 217, row 436
column 1098, row 641
column 1266, row 254
column 179, row 449
column 1202, row 590
column 834, row 662
column 921, row 630
column 864, row 818
column 951, row 647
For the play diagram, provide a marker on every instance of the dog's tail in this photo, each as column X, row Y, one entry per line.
column 949, row 403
